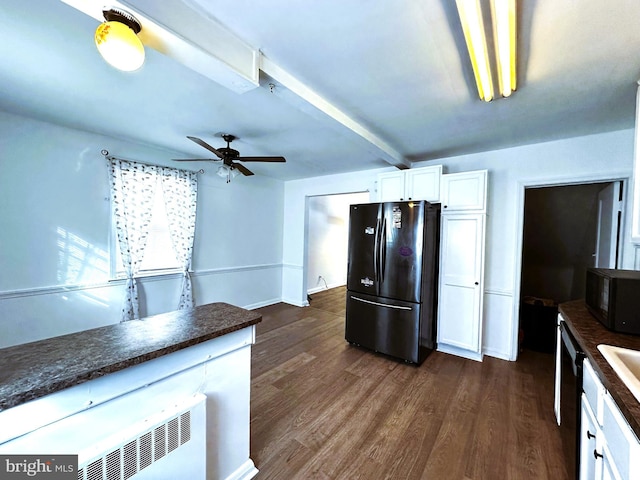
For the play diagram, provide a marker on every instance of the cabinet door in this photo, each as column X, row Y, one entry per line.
column 623, row 448
column 464, row 191
column 590, row 441
column 461, row 280
column 391, row 187
column 423, row 183
column 608, row 469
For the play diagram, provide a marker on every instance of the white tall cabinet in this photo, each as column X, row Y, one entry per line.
column 461, row 278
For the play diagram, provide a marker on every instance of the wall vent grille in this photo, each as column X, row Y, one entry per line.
column 123, row 461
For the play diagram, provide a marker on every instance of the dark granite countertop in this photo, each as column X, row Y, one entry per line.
column 36, row 369
column 590, row 333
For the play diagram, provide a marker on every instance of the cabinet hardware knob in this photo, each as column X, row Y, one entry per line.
column 444, row 206
column 596, row 454
column 477, row 283
column 590, row 435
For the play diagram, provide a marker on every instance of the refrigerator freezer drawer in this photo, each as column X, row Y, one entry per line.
column 383, row 325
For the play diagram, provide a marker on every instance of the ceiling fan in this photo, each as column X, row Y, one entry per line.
column 229, row 157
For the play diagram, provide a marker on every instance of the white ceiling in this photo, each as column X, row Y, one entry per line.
column 397, row 71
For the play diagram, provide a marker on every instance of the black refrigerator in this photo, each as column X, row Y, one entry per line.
column 392, row 277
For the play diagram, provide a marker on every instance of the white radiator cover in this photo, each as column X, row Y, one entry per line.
column 170, row 444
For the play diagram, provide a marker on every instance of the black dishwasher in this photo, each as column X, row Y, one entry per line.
column 570, row 359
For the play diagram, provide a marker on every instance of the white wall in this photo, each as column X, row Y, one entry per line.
column 250, row 236
column 55, row 235
column 296, row 223
column 595, row 157
column 327, row 237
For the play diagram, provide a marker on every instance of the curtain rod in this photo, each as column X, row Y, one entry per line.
column 111, row 157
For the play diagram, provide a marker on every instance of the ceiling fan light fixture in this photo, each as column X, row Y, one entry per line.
column 473, row 27
column 225, row 171
column 118, row 42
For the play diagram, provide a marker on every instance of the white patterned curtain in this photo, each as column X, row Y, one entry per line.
column 132, row 190
column 180, row 191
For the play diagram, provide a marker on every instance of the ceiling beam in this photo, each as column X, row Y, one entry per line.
column 375, row 144
column 209, row 48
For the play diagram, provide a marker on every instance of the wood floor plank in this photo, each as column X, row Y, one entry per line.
column 491, row 427
column 322, row 409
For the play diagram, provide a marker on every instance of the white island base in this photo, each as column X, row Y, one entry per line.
column 182, row 415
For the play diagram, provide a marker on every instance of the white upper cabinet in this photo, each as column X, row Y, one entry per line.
column 423, row 183
column 412, row 184
column 391, row 186
column 464, row 191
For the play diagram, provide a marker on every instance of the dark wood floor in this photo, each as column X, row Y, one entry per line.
column 322, row 409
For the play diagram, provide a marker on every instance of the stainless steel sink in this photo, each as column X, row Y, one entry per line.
column 626, row 363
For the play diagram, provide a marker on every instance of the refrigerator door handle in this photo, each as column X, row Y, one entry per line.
column 383, row 249
column 376, row 247
column 397, row 307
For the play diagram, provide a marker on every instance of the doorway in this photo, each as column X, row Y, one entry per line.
column 566, row 230
column 328, row 232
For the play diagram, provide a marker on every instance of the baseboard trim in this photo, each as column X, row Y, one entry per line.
column 321, row 288
column 497, row 354
column 246, row 471
column 459, row 352
column 295, row 303
column 264, row 303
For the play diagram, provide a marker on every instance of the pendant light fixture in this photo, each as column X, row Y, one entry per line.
column 118, row 42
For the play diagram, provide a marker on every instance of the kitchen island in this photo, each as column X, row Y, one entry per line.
column 78, row 393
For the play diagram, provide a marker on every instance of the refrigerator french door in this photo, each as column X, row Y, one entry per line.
column 391, row 278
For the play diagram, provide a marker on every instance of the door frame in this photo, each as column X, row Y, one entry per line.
column 615, row 222
column 623, row 177
column 308, row 226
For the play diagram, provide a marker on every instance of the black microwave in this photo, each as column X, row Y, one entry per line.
column 613, row 297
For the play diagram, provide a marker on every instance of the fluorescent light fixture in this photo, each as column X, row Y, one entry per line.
column 473, row 28
column 503, row 13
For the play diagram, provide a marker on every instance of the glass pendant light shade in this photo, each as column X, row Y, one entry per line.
column 119, row 46
column 225, row 171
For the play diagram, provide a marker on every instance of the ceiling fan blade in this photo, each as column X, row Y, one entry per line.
column 204, row 144
column 195, row 159
column 243, row 170
column 261, row 159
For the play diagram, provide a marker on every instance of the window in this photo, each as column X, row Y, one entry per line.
column 154, row 220
column 159, row 255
